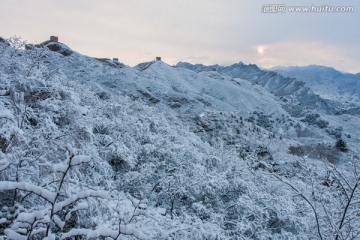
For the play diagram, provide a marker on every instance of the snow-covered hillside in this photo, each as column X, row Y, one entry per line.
column 296, row 94
column 328, row 82
column 94, row 149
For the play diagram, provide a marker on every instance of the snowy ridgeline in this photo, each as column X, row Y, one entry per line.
column 94, row 149
column 326, row 81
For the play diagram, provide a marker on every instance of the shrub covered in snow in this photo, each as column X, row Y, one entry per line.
column 84, row 154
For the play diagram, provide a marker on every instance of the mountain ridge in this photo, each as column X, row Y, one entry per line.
column 94, row 148
column 290, row 89
column 327, row 81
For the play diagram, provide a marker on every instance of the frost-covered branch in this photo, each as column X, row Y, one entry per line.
column 36, row 59
column 308, row 201
column 28, row 187
column 345, row 212
column 77, row 197
column 73, row 160
column 4, row 165
column 103, row 232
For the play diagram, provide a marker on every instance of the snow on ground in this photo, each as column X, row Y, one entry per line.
column 92, row 147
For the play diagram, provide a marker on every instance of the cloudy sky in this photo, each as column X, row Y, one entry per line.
column 197, row 31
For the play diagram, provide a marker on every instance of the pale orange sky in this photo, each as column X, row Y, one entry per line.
column 197, row 31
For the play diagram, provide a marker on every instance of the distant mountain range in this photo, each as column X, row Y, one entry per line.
column 326, row 81
column 295, row 93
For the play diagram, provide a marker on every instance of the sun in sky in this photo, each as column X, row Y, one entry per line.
column 260, row 49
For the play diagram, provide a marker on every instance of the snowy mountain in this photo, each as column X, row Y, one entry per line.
column 326, row 81
column 296, row 93
column 94, row 149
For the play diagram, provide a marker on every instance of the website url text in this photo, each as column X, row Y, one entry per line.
column 282, row 8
